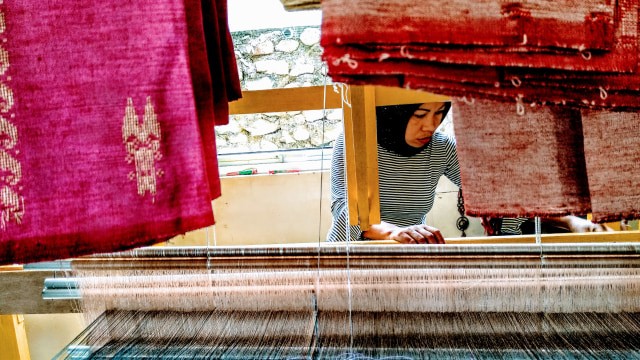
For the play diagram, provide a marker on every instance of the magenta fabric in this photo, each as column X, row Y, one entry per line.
column 611, row 146
column 222, row 61
column 520, row 162
column 101, row 141
column 203, row 89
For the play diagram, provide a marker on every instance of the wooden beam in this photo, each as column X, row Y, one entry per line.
column 22, row 294
column 289, row 99
column 350, row 159
column 357, row 100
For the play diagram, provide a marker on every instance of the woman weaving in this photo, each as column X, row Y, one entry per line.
column 412, row 156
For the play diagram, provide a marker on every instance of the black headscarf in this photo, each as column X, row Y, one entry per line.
column 392, row 125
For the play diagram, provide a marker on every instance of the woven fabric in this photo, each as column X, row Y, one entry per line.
column 550, row 24
column 490, row 49
column 520, row 162
column 611, row 144
column 101, row 130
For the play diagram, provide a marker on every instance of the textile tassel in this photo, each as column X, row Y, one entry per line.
column 611, row 144
column 518, row 160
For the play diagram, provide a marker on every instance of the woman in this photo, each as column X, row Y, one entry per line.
column 412, row 157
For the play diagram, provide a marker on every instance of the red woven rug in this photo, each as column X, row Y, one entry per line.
column 594, row 35
column 524, row 164
column 490, row 49
column 101, row 142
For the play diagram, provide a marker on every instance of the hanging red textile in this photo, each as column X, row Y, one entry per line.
column 489, row 49
column 106, row 126
column 521, row 161
column 611, row 144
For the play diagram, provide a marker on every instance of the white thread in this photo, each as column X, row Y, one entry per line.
column 603, row 93
column 344, row 94
column 405, row 53
column 346, row 59
column 520, row 110
column 586, row 55
column 524, row 39
column 467, row 101
column 384, row 56
column 516, row 81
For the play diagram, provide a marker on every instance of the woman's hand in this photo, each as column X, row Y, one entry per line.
column 417, row 234
column 579, row 225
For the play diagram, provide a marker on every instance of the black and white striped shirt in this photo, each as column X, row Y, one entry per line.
column 407, row 184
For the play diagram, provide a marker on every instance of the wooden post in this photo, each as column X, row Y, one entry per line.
column 362, row 157
column 13, row 336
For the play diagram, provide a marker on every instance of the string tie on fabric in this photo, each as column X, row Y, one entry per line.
column 346, row 59
column 470, row 101
column 603, row 93
column 383, row 57
column 524, row 39
column 584, row 52
column 405, row 53
column 516, row 81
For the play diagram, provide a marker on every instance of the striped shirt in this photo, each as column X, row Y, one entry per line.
column 407, row 184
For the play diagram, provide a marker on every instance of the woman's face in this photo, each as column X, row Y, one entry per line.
column 423, row 123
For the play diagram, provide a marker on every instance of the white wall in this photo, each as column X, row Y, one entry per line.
column 294, row 208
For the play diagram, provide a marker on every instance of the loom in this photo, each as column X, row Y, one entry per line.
column 374, row 300
column 481, row 298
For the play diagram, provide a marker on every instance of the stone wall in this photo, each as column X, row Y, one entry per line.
column 279, row 58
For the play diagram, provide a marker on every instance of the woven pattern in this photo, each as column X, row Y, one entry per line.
column 523, row 164
column 104, row 140
column 611, row 144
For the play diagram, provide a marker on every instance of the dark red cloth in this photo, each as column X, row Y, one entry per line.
column 474, row 54
column 520, row 162
column 214, row 74
column 222, row 61
column 588, row 24
column 105, row 127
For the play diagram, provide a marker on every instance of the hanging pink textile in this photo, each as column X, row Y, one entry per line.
column 106, row 126
column 214, row 74
column 222, row 61
column 520, row 161
column 611, row 144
